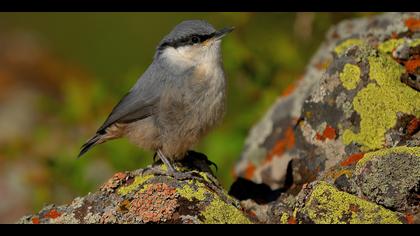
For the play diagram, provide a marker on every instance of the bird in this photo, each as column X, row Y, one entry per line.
column 179, row 98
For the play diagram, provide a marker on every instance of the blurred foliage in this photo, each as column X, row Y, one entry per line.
column 94, row 58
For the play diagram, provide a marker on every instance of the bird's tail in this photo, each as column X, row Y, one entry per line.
column 97, row 139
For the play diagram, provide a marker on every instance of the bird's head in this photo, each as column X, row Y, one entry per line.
column 192, row 42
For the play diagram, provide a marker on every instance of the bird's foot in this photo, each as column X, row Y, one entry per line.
column 178, row 175
column 192, row 170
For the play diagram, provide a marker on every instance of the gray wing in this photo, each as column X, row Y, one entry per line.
column 141, row 101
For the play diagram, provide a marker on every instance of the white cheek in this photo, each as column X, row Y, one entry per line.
column 173, row 55
column 188, row 56
column 179, row 57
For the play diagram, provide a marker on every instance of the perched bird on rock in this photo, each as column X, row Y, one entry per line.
column 177, row 100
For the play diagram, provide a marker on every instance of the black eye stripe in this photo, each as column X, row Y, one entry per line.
column 185, row 41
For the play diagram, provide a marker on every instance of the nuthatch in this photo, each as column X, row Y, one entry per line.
column 177, row 100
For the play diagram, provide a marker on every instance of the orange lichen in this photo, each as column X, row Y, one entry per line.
column 412, row 65
column 53, row 214
column 289, row 89
column 328, row 133
column 413, row 126
column 249, row 171
column 413, row 24
column 35, row 220
column 352, row 159
column 409, row 218
column 287, row 142
column 292, row 220
column 251, row 213
column 155, row 204
column 114, row 181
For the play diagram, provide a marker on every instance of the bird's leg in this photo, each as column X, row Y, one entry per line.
column 172, row 171
column 165, row 160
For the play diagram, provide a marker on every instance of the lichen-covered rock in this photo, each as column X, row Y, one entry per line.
column 352, row 123
column 324, row 204
column 390, row 177
column 354, row 98
column 150, row 196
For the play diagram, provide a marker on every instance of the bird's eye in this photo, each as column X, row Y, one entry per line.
column 195, row 39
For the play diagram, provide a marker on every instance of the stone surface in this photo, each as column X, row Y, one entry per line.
column 150, row 196
column 344, row 145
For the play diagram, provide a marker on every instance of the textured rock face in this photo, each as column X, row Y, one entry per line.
column 352, row 123
column 343, row 147
column 146, row 196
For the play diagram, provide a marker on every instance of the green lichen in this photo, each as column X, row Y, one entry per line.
column 138, row 180
column 379, row 102
column 350, row 76
column 415, row 151
column 389, row 45
column 220, row 212
column 187, row 192
column 327, row 205
column 340, row 49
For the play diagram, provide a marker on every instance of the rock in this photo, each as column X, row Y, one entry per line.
column 350, row 127
column 324, row 204
column 390, row 177
column 148, row 196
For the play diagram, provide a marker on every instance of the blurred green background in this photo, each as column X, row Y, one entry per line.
column 61, row 74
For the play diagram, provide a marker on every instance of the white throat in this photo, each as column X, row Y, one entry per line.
column 184, row 57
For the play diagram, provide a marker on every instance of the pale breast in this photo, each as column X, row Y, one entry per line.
column 210, row 104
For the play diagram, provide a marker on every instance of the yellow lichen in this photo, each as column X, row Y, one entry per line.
column 414, row 43
column 340, row 49
column 389, row 45
column 138, row 180
column 187, row 192
column 163, row 168
column 220, row 212
column 284, row 219
column 415, row 151
column 378, row 103
column 350, row 76
column 217, row 211
column 327, row 205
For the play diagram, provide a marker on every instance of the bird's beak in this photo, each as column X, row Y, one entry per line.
column 223, row 32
